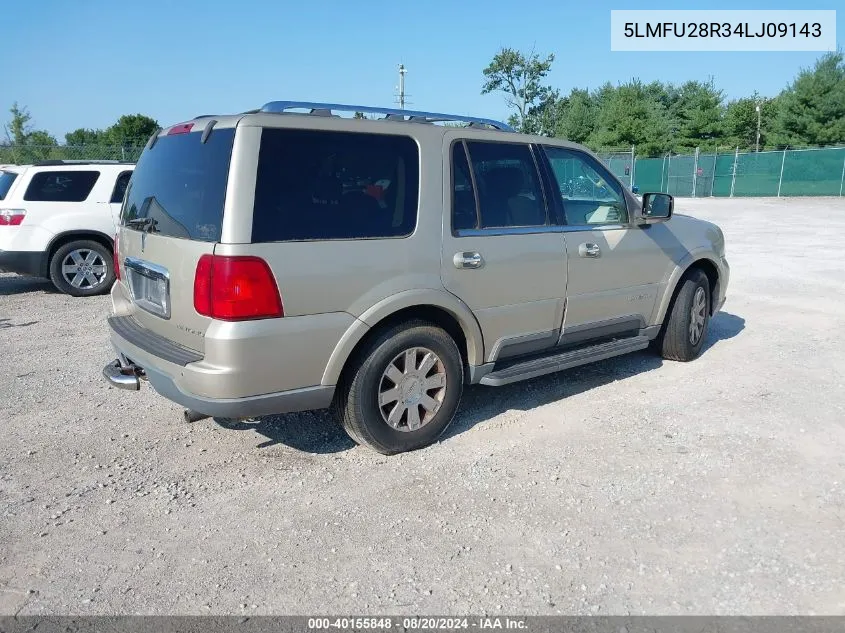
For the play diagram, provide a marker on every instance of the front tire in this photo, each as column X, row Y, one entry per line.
column 402, row 390
column 689, row 317
column 83, row 268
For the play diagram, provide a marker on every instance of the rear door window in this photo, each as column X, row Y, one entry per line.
column 464, row 206
column 179, row 184
column 321, row 185
column 508, row 185
column 61, row 186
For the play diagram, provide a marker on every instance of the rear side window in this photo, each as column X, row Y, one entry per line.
column 120, row 186
column 464, row 208
column 61, row 186
column 179, row 184
column 6, row 180
column 318, row 185
column 508, row 185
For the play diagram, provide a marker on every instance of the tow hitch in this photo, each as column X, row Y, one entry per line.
column 123, row 374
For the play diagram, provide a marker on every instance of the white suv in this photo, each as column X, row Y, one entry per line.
column 58, row 219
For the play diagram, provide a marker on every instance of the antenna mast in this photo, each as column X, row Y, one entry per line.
column 402, row 72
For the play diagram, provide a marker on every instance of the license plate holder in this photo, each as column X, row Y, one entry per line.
column 149, row 285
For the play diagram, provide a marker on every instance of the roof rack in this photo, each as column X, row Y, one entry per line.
column 326, row 109
column 57, row 161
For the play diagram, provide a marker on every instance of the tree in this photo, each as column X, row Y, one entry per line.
column 519, row 77
column 84, row 136
column 542, row 118
column 739, row 121
column 576, row 117
column 19, row 127
column 628, row 116
column 812, row 108
column 130, row 130
column 696, row 111
column 41, row 138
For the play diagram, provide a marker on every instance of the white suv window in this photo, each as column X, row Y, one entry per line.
column 120, row 187
column 61, row 186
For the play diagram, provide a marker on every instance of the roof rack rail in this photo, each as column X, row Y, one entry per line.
column 280, row 107
column 81, row 161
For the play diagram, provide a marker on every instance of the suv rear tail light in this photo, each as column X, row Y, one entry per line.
column 236, row 288
column 11, row 217
column 116, row 252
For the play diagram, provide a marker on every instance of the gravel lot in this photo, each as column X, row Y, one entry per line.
column 627, row 487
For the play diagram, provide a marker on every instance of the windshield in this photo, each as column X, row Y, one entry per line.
column 179, row 186
column 6, row 180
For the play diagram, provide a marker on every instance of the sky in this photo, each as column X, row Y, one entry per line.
column 83, row 63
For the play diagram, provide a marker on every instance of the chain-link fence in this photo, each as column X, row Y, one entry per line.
column 28, row 154
column 789, row 172
column 621, row 163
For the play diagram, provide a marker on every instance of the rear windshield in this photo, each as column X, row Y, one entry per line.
column 180, row 183
column 6, row 180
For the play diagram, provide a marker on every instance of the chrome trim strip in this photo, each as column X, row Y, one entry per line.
column 528, row 230
column 145, row 268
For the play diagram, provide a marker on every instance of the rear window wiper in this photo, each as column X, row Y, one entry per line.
column 145, row 224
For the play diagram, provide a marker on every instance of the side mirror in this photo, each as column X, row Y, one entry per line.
column 657, row 207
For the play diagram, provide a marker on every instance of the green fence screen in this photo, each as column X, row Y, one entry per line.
column 801, row 172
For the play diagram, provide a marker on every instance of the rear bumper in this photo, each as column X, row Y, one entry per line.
column 307, row 399
column 24, row 262
column 125, row 374
column 169, row 375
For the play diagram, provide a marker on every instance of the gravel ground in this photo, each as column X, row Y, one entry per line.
column 631, row 486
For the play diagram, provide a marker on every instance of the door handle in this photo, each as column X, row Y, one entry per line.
column 468, row 260
column 589, row 250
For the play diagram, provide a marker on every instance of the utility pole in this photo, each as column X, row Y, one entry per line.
column 759, row 112
column 402, row 72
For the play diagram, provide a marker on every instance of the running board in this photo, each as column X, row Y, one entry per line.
column 563, row 360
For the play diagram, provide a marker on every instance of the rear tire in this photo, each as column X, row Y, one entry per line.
column 83, row 268
column 683, row 334
column 401, row 392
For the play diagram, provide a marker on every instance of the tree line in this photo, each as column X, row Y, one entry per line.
column 130, row 130
column 659, row 117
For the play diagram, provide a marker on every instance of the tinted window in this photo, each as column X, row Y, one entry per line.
column 315, row 185
column 120, row 186
column 6, row 180
column 508, row 185
column 464, row 213
column 589, row 194
column 181, row 184
column 61, row 186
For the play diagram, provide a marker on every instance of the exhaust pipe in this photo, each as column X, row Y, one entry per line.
column 194, row 416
